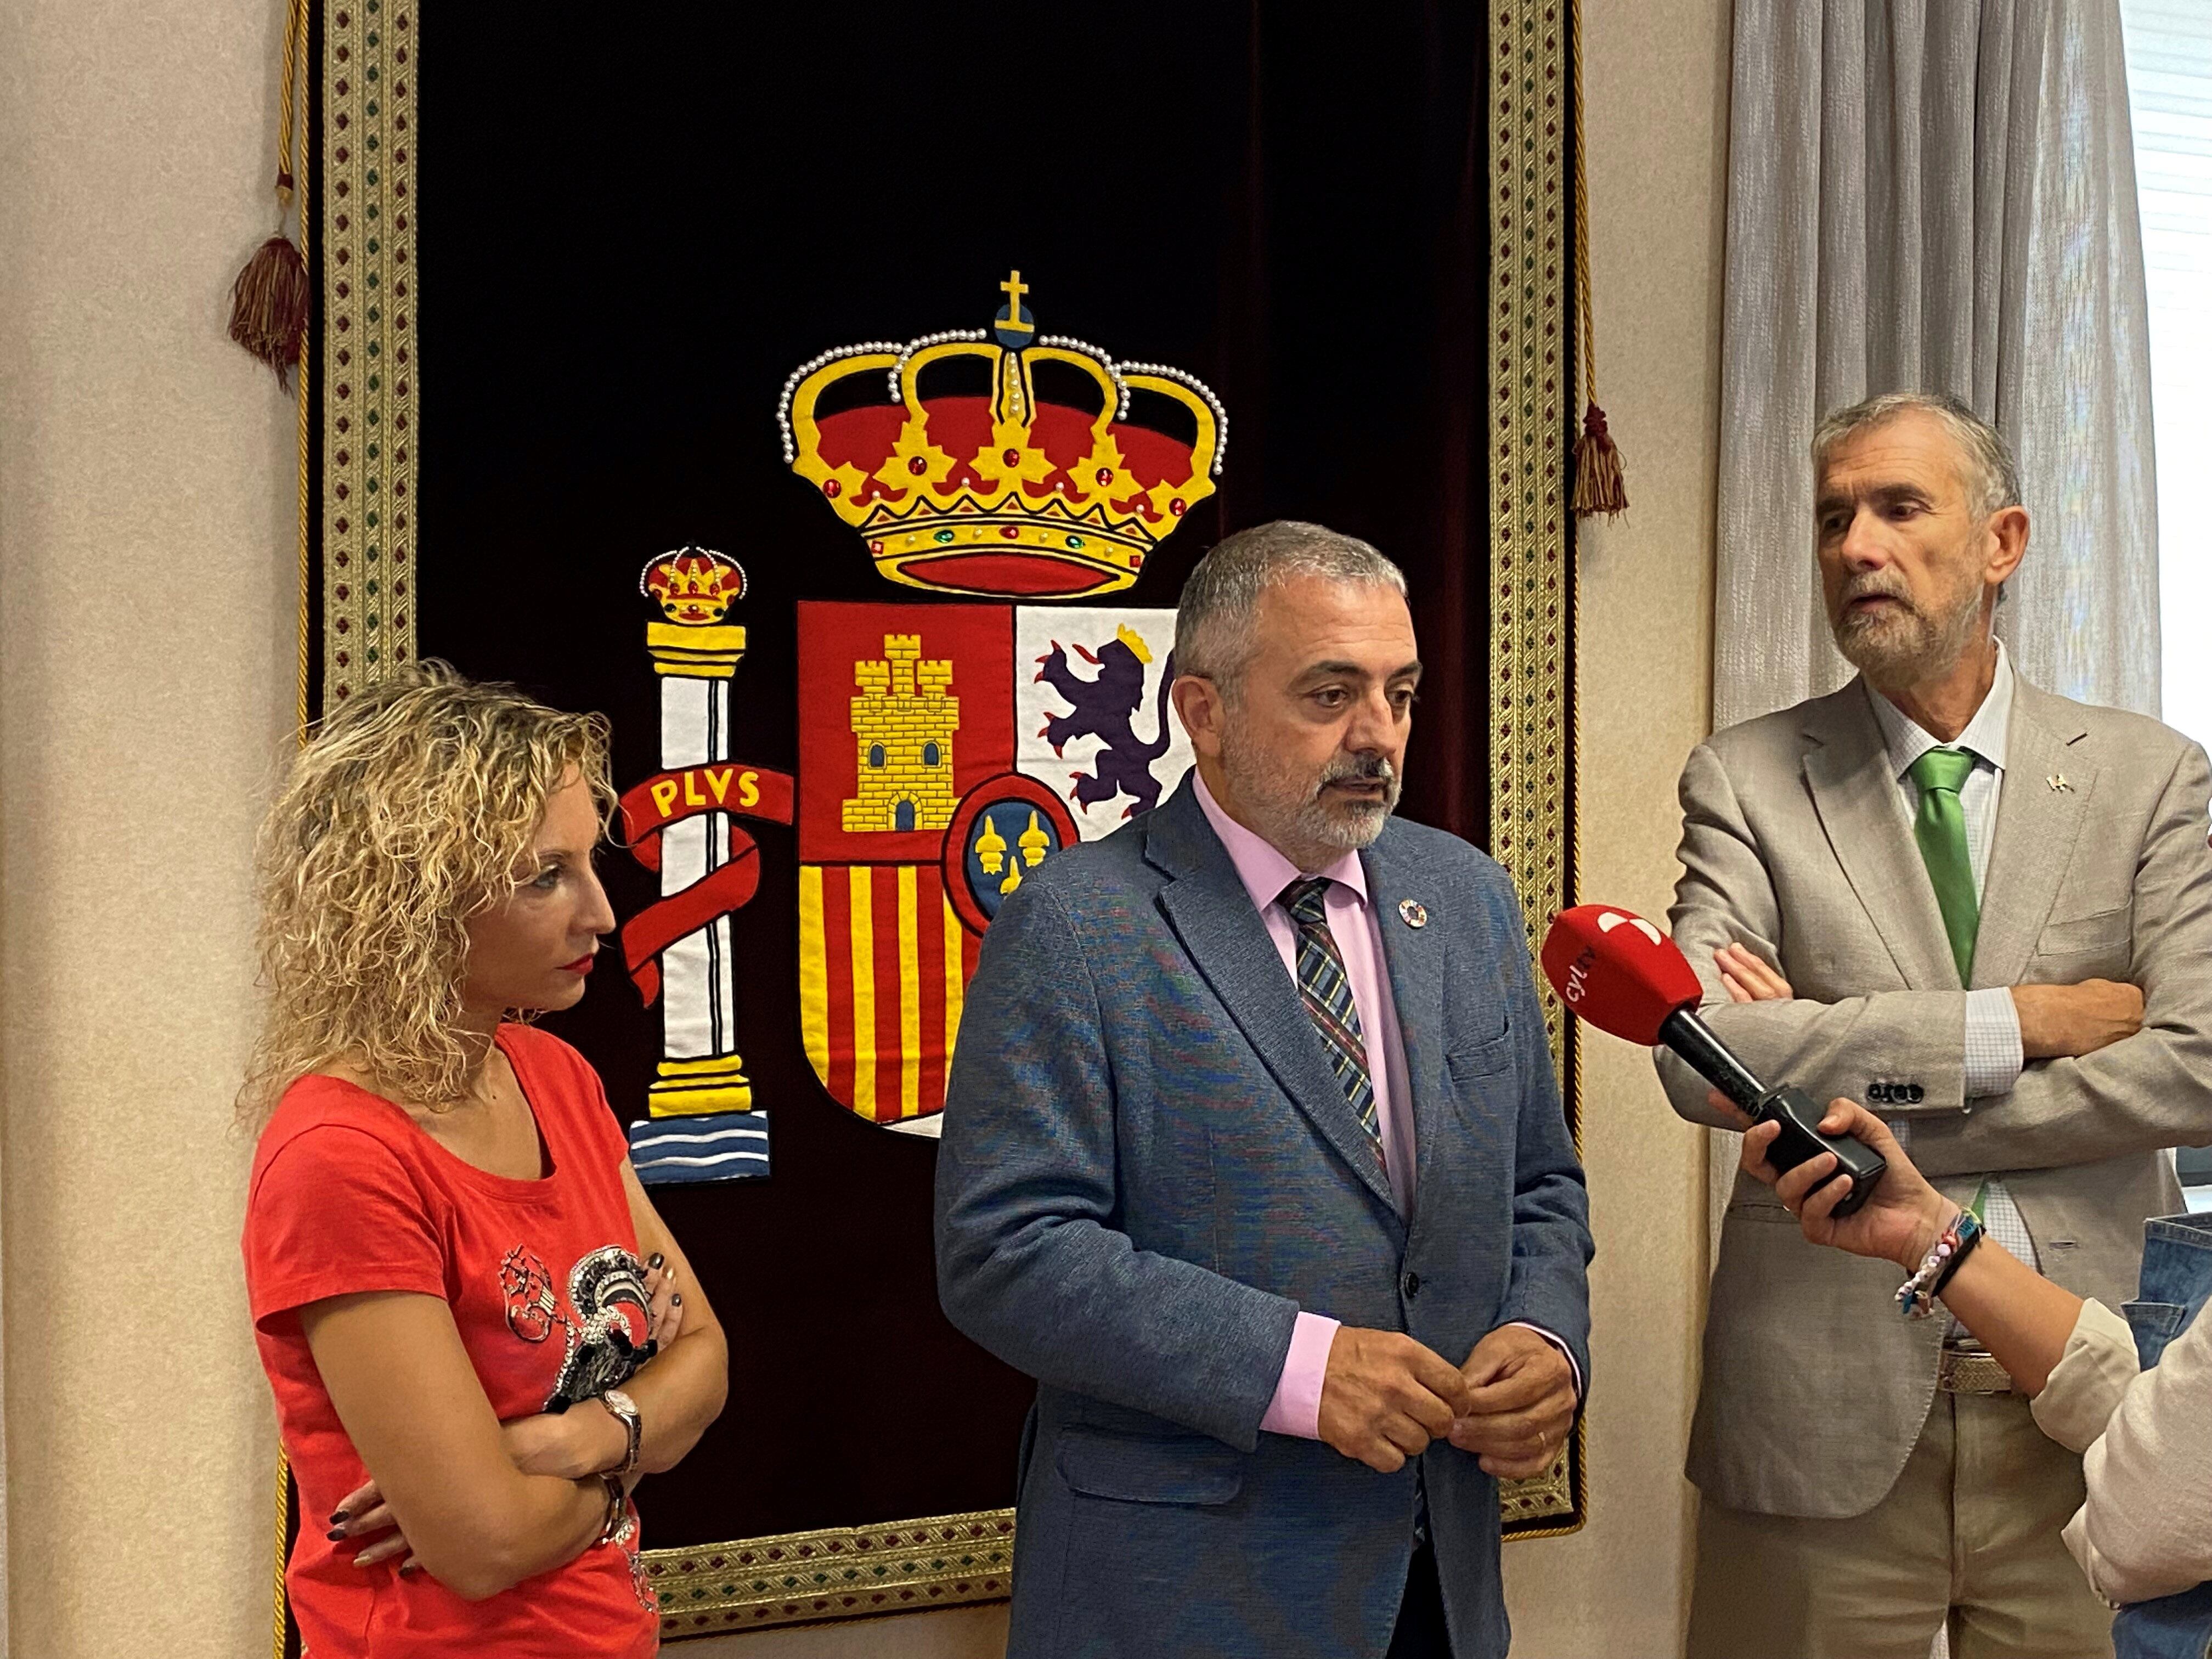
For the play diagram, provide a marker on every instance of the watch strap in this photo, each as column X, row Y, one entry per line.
column 624, row 1412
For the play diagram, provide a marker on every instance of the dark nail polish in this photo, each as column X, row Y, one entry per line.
column 675, row 1301
column 336, row 1536
column 654, row 1260
column 410, row 1567
column 339, row 1517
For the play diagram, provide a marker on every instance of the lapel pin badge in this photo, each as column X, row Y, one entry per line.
column 1414, row 912
column 2057, row 783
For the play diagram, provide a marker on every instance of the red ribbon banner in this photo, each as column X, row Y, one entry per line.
column 668, row 798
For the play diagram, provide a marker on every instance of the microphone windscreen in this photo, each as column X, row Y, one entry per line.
column 1618, row 971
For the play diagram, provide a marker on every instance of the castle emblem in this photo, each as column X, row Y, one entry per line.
column 1002, row 461
column 903, row 721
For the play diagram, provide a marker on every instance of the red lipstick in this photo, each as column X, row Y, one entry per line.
column 581, row 965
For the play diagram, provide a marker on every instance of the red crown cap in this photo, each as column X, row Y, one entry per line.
column 1618, row 971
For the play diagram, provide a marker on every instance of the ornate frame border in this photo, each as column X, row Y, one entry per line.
column 367, row 381
column 1533, row 824
column 365, row 90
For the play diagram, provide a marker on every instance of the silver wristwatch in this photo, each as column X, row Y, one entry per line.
column 624, row 1412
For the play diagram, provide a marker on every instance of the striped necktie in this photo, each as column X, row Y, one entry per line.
column 1326, row 993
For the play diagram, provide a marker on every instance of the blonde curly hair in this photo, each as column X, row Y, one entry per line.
column 412, row 809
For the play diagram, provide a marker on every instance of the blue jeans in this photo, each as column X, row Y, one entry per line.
column 2177, row 1278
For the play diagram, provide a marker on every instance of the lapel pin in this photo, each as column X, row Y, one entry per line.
column 1412, row 913
column 2058, row 785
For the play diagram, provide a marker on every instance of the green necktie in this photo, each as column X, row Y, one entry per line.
column 1940, row 827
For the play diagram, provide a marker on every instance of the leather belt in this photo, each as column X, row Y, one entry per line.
column 1972, row 1373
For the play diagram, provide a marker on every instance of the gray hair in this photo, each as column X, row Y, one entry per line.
column 1217, row 617
column 1986, row 465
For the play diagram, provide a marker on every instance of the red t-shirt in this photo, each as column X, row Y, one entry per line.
column 348, row 1194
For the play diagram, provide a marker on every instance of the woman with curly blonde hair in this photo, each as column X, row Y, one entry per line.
column 446, row 1247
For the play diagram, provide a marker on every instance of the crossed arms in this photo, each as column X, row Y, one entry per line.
column 2110, row 1068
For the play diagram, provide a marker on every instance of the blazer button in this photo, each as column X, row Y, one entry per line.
column 1413, row 1285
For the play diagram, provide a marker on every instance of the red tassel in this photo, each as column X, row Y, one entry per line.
column 268, row 305
column 1599, row 484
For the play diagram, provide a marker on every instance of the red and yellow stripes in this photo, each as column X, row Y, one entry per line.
column 883, row 970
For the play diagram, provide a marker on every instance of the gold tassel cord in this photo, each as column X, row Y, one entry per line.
column 268, row 301
column 283, row 1516
column 1601, row 484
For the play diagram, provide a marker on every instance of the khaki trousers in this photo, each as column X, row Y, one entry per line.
column 1967, row 1539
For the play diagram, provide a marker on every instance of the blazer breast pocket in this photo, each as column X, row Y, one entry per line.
column 1142, row 1469
column 1490, row 1057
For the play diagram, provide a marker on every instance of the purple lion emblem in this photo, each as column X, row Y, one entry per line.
column 1101, row 707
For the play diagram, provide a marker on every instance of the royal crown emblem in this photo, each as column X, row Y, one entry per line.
column 1003, row 462
column 694, row 586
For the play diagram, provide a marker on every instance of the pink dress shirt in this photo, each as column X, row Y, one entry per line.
column 1296, row 1407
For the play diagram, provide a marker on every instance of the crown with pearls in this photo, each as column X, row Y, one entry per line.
column 695, row 586
column 971, row 478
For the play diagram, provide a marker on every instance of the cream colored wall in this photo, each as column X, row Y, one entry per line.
column 147, row 622
column 146, row 629
column 1656, row 81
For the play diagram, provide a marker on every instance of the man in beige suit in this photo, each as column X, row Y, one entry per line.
column 1985, row 912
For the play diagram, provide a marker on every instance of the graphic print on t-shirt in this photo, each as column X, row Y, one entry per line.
column 606, row 1288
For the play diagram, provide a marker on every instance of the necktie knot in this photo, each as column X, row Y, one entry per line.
column 1942, row 768
column 1306, row 901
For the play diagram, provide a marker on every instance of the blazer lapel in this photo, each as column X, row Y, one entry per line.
column 1854, row 792
column 2036, row 826
column 1211, row 913
column 1414, row 958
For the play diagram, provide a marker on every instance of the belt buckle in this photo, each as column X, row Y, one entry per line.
column 1972, row 1373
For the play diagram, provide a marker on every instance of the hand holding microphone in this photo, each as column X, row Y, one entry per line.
column 1620, row 973
column 1897, row 1223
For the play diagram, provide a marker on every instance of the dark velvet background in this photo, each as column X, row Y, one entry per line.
column 634, row 228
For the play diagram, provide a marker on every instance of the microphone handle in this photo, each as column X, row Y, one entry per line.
column 1708, row 1057
column 1796, row 1111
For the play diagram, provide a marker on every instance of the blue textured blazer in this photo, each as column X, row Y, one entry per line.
column 1148, row 1168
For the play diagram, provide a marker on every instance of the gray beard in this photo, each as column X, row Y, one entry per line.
column 1290, row 814
column 1895, row 651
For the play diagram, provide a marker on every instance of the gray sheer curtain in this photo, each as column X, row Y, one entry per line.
column 1939, row 195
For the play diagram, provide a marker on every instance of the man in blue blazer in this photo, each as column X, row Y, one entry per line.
column 1254, row 1159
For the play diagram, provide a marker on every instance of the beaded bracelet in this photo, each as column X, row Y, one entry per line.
column 1916, row 1298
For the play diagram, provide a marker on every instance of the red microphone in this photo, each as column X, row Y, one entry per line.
column 1623, row 976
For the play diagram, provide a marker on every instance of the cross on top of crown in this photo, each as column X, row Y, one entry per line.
column 1013, row 325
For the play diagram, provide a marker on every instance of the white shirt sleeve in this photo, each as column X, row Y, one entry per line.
column 1993, row 1049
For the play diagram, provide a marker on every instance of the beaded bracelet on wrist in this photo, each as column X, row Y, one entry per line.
column 1916, row 1298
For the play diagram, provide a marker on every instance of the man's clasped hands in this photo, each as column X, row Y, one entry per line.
column 1386, row 1396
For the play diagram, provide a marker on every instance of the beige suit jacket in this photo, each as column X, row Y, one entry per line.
column 1796, row 843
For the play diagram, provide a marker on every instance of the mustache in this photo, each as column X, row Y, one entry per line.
column 1877, row 585
column 1376, row 768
